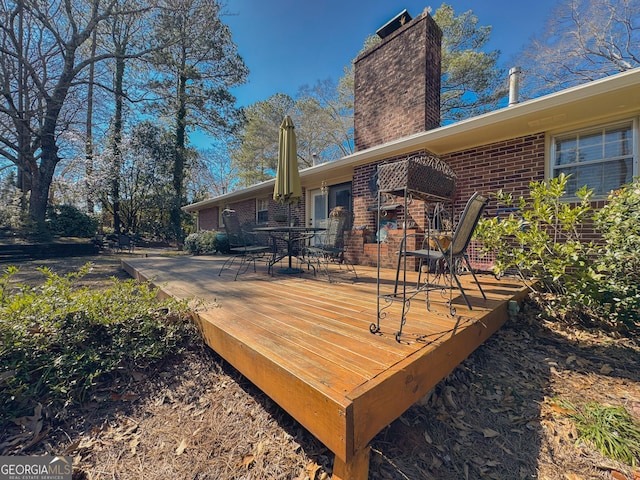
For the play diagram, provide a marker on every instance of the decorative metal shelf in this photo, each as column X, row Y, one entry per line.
column 424, row 177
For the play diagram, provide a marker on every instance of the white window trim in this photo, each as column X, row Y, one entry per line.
column 635, row 150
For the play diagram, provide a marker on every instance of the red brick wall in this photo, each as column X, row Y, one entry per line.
column 509, row 165
column 397, row 85
column 281, row 210
column 208, row 219
column 247, row 211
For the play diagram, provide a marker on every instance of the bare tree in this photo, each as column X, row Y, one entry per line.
column 584, row 40
column 126, row 34
column 41, row 61
column 325, row 123
column 215, row 173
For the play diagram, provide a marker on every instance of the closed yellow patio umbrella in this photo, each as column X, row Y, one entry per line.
column 287, row 188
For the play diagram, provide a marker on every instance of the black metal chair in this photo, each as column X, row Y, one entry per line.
column 243, row 245
column 328, row 246
column 450, row 256
column 125, row 243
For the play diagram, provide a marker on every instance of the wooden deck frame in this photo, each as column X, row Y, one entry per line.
column 306, row 343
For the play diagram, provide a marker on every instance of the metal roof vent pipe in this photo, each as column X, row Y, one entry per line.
column 514, row 85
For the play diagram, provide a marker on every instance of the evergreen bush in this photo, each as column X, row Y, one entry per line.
column 618, row 259
column 68, row 221
column 542, row 241
column 206, row 242
column 57, row 339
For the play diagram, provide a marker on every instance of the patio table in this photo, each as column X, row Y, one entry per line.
column 292, row 234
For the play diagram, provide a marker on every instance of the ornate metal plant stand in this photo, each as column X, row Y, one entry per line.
column 422, row 177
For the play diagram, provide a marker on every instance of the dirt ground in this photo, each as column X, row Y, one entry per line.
column 499, row 415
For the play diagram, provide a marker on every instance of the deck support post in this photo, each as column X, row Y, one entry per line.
column 357, row 468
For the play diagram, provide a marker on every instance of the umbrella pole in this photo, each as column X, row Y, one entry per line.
column 290, row 224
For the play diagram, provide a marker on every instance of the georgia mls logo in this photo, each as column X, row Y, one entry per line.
column 35, row 468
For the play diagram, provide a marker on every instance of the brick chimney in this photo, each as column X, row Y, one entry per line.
column 397, row 83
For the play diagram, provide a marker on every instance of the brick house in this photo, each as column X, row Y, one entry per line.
column 590, row 131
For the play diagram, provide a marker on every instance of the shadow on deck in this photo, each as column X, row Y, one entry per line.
column 306, row 342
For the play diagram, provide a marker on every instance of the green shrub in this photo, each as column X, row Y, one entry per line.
column 619, row 224
column 57, row 340
column 68, row 221
column 206, row 242
column 543, row 242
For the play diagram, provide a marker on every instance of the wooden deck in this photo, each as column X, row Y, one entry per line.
column 306, row 342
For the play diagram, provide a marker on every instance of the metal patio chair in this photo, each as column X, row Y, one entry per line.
column 451, row 255
column 327, row 247
column 244, row 245
column 125, row 243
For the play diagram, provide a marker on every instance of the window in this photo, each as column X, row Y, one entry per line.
column 262, row 210
column 602, row 158
column 340, row 196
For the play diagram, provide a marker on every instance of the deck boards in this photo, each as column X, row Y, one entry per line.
column 306, row 342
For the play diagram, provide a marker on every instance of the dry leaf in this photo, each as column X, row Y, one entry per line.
column 617, row 475
column 247, row 461
column 571, row 359
column 427, row 437
column 550, row 426
column 182, row 447
column 488, row 433
column 72, row 447
column 572, row 476
column 448, row 397
column 133, row 445
column 505, row 449
column 563, row 411
column 606, row 369
column 312, row 470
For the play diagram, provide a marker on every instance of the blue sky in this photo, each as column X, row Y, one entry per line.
column 290, row 43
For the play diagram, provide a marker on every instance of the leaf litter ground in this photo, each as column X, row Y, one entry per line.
column 499, row 415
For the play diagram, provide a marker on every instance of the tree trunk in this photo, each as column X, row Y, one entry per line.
column 179, row 163
column 42, row 176
column 89, row 127
column 117, row 138
column 41, row 179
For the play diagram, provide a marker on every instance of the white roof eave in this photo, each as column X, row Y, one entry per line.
column 606, row 96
